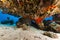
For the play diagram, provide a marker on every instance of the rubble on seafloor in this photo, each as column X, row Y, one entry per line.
column 50, row 34
column 8, row 33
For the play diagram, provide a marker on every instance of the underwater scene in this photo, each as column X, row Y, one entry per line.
column 29, row 19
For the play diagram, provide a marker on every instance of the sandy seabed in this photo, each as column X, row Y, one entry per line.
column 9, row 33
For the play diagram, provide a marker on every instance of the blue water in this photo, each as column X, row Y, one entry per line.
column 3, row 17
column 49, row 18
